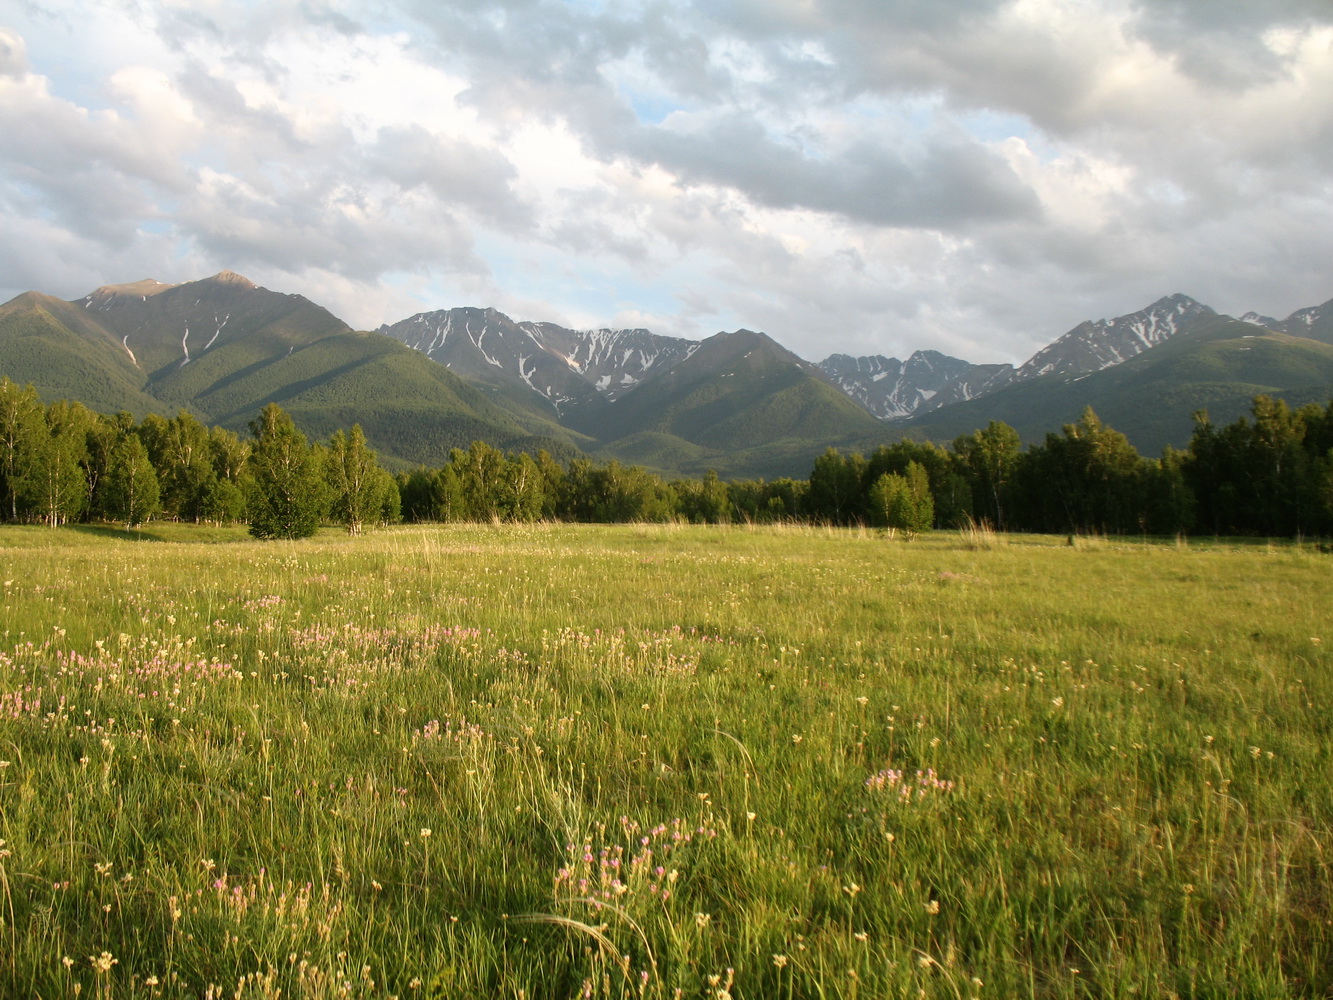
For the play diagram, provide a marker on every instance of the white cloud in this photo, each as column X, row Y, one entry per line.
column 854, row 176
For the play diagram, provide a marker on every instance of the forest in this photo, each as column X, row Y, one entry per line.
column 1270, row 474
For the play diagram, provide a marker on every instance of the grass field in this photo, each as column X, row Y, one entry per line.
column 566, row 761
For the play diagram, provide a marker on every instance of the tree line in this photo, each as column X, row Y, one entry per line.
column 64, row 463
column 1269, row 474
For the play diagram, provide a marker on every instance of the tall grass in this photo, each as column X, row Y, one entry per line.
column 563, row 761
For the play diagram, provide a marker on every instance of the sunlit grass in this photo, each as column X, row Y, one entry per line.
column 658, row 761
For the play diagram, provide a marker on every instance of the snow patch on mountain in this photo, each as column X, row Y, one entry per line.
column 565, row 367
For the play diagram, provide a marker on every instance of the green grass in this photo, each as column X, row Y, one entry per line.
column 450, row 761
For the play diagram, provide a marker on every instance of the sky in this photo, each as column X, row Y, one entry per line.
column 852, row 176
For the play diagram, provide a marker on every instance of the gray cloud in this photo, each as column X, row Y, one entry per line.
column 1221, row 43
column 948, row 182
column 460, row 172
column 869, row 176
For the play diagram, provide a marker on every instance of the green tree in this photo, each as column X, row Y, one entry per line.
column 704, row 501
column 524, row 489
column 553, row 488
column 104, row 433
column 357, row 485
column 1087, row 479
column 129, row 490
column 988, row 459
column 481, row 477
column 903, row 502
column 835, row 494
column 949, row 488
column 23, row 433
column 51, row 482
column 285, row 494
column 446, row 495
column 182, row 451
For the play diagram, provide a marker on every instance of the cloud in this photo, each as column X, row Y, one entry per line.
column 13, row 54
column 850, row 175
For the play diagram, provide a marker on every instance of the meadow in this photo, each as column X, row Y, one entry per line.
column 560, row 761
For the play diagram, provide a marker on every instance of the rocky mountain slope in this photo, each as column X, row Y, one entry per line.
column 570, row 369
column 927, row 381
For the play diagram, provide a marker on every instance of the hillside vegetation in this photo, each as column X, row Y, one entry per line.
column 223, row 348
column 1219, row 365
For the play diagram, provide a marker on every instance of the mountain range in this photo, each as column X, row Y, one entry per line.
column 737, row 402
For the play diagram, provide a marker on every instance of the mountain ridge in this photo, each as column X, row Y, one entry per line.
column 736, row 401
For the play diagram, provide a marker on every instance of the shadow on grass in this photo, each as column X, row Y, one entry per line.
column 120, row 534
column 161, row 531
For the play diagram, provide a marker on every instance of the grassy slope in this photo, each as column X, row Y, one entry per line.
column 40, row 346
column 380, row 753
column 743, row 404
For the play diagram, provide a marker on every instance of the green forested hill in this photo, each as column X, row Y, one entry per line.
column 66, row 355
column 741, row 404
column 223, row 348
column 1218, row 365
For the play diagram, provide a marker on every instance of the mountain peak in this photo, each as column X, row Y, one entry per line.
column 138, row 289
column 225, row 277
column 1092, row 346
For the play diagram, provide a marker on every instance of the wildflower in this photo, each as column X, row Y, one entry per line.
column 702, row 919
column 861, row 936
column 780, row 961
column 103, row 962
column 851, row 890
column 425, row 832
column 1058, row 702
column 933, row 907
column 1255, row 752
column 67, row 961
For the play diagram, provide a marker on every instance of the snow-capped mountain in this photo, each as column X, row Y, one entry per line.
column 1092, row 346
column 1315, row 322
column 892, row 389
column 928, row 380
column 614, row 361
column 568, row 368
